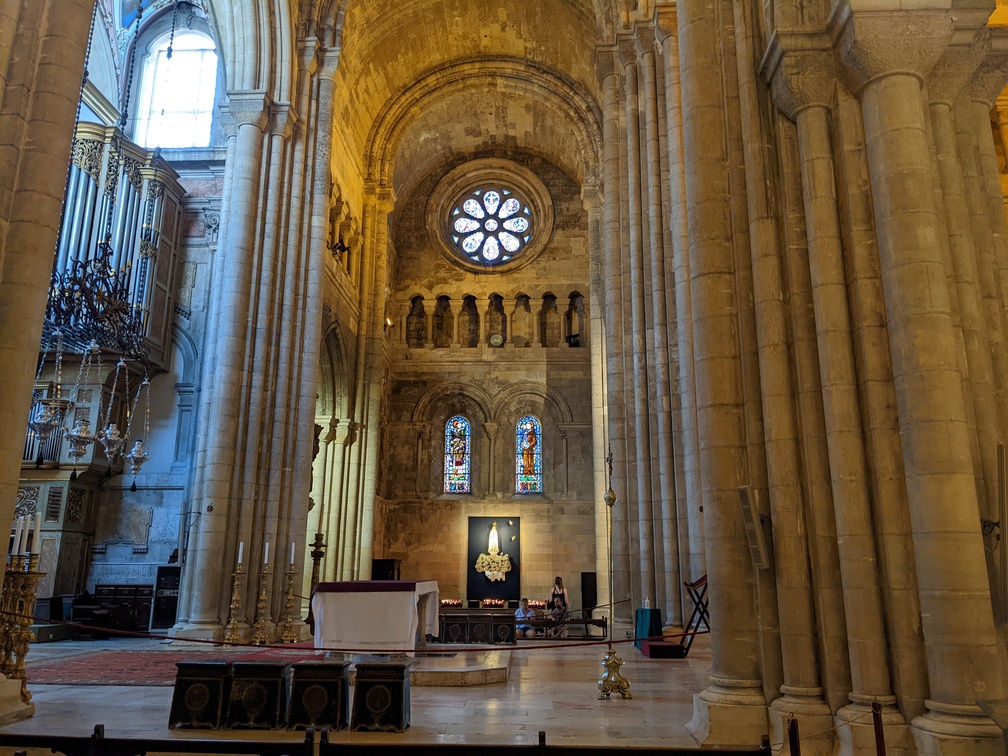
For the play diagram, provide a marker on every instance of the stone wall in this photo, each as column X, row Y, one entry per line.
column 492, row 386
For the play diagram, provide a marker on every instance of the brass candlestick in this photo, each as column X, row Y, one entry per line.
column 288, row 633
column 233, row 631
column 260, row 629
column 612, row 680
column 17, row 604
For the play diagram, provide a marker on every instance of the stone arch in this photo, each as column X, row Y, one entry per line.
column 333, row 383
column 257, row 47
column 190, row 354
column 547, row 396
column 560, row 93
column 427, row 408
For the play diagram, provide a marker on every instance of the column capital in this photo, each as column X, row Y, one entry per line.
column 956, row 68
column 246, row 109
column 606, row 63
column 991, row 74
column 626, row 42
column 875, row 44
column 282, row 119
column 328, row 62
column 801, row 68
column 666, row 23
column 646, row 41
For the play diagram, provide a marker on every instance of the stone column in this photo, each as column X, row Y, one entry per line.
column 691, row 516
column 803, row 86
column 821, row 522
column 336, row 501
column 616, row 440
column 248, row 112
column 962, row 655
column 42, row 49
column 733, row 708
column 801, row 691
column 373, row 378
column 668, row 575
column 946, row 83
column 596, row 325
column 639, row 463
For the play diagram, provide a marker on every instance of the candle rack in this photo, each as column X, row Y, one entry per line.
column 288, row 632
column 17, row 605
column 234, row 631
column 261, row 634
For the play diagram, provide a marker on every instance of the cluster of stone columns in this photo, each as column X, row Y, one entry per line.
column 825, row 259
column 252, row 471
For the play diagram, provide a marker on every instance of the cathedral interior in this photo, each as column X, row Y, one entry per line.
column 391, row 270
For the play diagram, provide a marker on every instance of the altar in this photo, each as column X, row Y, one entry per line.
column 374, row 615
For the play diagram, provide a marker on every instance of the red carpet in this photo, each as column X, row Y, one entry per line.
column 109, row 667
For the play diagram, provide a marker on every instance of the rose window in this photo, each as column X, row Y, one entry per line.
column 490, row 226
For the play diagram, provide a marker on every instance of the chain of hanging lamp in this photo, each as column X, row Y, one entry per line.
column 89, row 310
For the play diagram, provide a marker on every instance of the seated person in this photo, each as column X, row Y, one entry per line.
column 523, row 613
column 557, row 616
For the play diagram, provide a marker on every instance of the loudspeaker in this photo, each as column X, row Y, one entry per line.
column 589, row 591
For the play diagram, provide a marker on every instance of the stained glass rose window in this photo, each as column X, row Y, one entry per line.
column 490, row 226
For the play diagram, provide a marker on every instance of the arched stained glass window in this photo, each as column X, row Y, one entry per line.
column 457, row 455
column 528, row 456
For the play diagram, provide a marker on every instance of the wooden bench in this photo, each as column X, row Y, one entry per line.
column 581, row 618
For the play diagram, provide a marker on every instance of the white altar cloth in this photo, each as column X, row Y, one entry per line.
column 374, row 615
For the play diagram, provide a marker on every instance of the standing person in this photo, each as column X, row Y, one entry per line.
column 522, row 614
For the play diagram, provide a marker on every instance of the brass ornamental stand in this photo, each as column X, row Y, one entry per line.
column 17, row 604
column 288, row 633
column 260, row 630
column 612, row 680
column 232, row 631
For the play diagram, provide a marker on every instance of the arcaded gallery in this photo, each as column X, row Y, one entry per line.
column 396, row 374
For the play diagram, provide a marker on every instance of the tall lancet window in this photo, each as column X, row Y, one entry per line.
column 528, row 456
column 457, row 472
column 177, row 91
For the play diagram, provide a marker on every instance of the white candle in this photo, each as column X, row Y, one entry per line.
column 36, row 536
column 292, row 554
column 241, row 550
column 17, row 537
column 23, row 548
column 266, row 553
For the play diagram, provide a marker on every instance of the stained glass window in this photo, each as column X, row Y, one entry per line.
column 456, row 455
column 490, row 225
column 528, row 456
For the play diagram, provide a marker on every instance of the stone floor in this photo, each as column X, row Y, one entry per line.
column 550, row 687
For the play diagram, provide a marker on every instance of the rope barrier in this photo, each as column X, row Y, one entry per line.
column 427, row 649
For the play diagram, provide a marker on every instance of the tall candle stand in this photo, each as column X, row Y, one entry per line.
column 261, row 634
column 288, row 633
column 17, row 604
column 612, row 679
column 234, row 631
